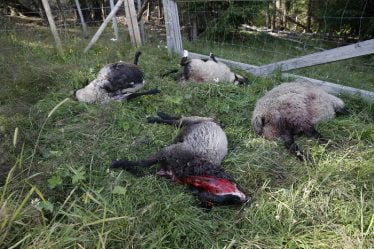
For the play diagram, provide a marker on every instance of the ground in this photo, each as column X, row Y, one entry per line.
column 59, row 192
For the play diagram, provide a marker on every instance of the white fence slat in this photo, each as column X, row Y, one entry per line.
column 52, row 24
column 103, row 25
column 115, row 26
column 84, row 26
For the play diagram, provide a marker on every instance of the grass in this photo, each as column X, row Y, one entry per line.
column 63, row 148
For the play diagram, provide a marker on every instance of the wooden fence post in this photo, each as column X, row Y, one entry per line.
column 52, row 24
column 84, row 26
column 115, row 26
column 173, row 32
column 132, row 23
column 103, row 25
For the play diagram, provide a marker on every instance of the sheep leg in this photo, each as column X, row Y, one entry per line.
column 130, row 166
column 160, row 120
column 164, row 118
column 163, row 115
column 213, row 57
column 149, row 92
column 321, row 140
column 293, row 148
column 184, row 61
column 315, row 134
column 167, row 73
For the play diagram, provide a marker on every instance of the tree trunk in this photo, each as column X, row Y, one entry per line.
column 309, row 17
column 193, row 29
column 273, row 17
column 268, row 15
column 278, row 15
column 144, row 7
column 148, row 12
column 159, row 12
column 285, row 12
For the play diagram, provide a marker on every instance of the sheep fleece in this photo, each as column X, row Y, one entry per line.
column 209, row 71
column 294, row 106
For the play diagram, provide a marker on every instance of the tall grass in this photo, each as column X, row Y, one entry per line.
column 60, row 194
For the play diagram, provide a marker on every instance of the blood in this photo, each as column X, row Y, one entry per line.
column 211, row 184
column 212, row 190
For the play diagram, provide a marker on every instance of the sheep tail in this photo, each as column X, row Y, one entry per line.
column 136, row 57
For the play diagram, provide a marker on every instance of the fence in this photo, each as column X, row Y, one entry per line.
column 263, row 36
column 258, row 36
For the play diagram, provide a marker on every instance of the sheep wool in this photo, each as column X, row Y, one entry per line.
column 200, row 71
column 194, row 158
column 116, row 81
column 107, row 85
column 204, row 70
column 294, row 109
column 293, row 106
column 201, row 145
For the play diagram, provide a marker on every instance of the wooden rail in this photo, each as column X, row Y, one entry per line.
column 331, row 55
column 327, row 86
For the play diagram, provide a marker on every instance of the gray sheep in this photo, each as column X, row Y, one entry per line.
column 294, row 109
column 198, row 151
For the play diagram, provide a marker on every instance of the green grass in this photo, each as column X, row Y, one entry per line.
column 62, row 153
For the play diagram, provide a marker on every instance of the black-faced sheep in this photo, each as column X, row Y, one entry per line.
column 207, row 70
column 116, row 81
column 193, row 159
column 294, row 109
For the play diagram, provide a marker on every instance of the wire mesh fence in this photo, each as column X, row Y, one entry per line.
column 260, row 32
column 69, row 25
column 255, row 32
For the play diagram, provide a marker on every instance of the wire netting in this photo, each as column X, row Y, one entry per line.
column 259, row 32
column 256, row 32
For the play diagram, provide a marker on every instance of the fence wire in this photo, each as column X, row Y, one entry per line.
column 255, row 32
column 260, row 32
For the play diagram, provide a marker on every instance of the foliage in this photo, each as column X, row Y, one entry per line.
column 344, row 18
column 332, row 18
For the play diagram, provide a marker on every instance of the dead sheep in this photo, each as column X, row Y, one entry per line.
column 294, row 109
column 206, row 70
column 193, row 159
column 116, row 81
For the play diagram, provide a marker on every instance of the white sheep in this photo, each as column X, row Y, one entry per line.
column 116, row 81
column 206, row 70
